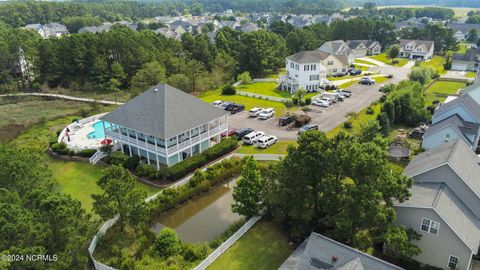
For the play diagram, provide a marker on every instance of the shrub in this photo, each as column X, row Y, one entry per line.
column 390, row 76
column 60, row 148
column 63, row 151
column 347, row 125
column 383, row 98
column 395, row 61
column 302, row 120
column 117, row 158
column 308, row 101
column 167, row 243
column 145, row 170
column 187, row 166
column 244, row 77
column 431, row 109
column 228, row 89
column 295, row 100
column 132, row 162
column 302, row 102
column 71, row 153
column 369, row 110
column 86, row 152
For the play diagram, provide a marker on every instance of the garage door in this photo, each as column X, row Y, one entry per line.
column 459, row 66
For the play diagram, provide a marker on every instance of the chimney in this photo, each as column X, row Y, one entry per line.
column 334, row 259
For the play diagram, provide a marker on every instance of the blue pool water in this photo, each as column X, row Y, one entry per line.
column 98, row 133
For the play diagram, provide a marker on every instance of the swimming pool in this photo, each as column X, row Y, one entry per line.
column 98, row 132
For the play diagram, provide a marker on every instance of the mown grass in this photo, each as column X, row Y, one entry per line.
column 247, row 101
column 384, row 59
column 279, row 148
column 440, row 90
column 364, row 62
column 470, row 74
column 362, row 117
column 436, row 63
column 264, row 88
column 263, row 247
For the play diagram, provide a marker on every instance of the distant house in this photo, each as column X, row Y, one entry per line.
column 48, row 30
column 247, row 27
column 105, row 27
column 445, row 205
column 165, row 125
column 452, row 128
column 322, row 253
column 338, row 48
column 469, row 61
column 462, row 29
column 361, row 48
column 304, row 70
column 416, row 49
column 409, row 25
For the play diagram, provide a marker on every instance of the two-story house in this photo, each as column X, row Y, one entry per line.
column 416, row 49
column 362, row 48
column 469, row 61
column 165, row 125
column 338, row 48
column 307, row 69
column 462, row 30
column 445, row 205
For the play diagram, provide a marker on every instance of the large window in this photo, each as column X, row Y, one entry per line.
column 330, row 63
column 314, row 77
column 452, row 262
column 430, row 226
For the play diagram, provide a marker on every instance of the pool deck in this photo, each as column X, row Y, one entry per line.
column 79, row 137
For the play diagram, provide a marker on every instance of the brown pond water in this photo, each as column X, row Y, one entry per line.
column 203, row 218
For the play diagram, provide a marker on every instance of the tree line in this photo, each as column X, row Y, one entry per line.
column 403, row 13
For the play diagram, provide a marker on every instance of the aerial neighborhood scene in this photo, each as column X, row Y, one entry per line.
column 240, row 134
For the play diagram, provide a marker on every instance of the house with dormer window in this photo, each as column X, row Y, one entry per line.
column 416, row 49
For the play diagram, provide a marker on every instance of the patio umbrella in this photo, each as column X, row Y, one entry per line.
column 106, row 141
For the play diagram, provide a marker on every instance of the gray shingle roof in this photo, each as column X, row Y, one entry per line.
column 470, row 55
column 466, row 101
column 163, row 111
column 450, row 208
column 320, row 251
column 354, row 43
column 463, row 27
column 427, row 43
column 456, row 154
column 305, row 57
column 463, row 127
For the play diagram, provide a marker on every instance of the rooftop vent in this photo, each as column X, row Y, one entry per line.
column 155, row 90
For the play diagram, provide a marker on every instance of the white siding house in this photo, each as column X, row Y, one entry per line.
column 416, row 49
column 164, row 125
column 303, row 70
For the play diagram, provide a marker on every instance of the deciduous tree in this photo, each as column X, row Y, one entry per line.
column 248, row 193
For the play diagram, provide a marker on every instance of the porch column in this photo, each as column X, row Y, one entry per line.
column 138, row 148
column 104, row 132
column 158, row 163
column 190, row 139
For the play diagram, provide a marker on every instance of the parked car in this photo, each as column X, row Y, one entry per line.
column 345, row 93
column 333, row 97
column 240, row 133
column 217, row 103
column 320, row 103
column 339, row 74
column 235, row 108
column 283, row 121
column 355, row 72
column 366, row 81
column 266, row 141
column 230, row 132
column 252, row 137
column 224, row 105
column 266, row 114
column 307, row 127
column 326, row 99
column 253, row 112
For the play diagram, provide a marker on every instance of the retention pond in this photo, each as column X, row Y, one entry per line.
column 201, row 219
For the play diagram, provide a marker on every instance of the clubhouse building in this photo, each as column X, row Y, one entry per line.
column 165, row 125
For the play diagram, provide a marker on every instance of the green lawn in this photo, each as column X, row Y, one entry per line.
column 279, row 148
column 348, row 84
column 362, row 117
column 384, row 59
column 264, row 88
column 439, row 90
column 436, row 63
column 78, row 179
column 274, row 75
column 345, row 77
column 263, row 247
column 364, row 62
column 247, row 101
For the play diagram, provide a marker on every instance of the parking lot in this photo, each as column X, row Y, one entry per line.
column 325, row 118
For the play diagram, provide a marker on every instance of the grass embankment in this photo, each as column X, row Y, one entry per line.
column 279, row 148
column 264, row 88
column 436, row 63
column 263, row 247
column 440, row 90
column 19, row 113
column 361, row 117
column 359, row 61
column 382, row 57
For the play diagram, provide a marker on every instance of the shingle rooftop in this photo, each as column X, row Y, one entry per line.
column 450, row 208
column 322, row 252
column 466, row 101
column 463, row 127
column 163, row 111
column 427, row 43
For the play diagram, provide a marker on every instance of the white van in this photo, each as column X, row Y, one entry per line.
column 252, row 137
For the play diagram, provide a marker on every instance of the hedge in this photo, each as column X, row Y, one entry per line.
column 60, row 148
column 132, row 162
column 145, row 170
column 86, row 152
column 117, row 158
column 200, row 182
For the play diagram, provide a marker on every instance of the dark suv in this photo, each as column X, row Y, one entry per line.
column 234, row 108
column 283, row 121
column 307, row 127
column 240, row 133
